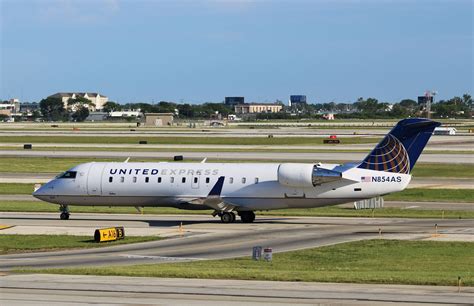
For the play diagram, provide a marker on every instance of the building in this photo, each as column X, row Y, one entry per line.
column 250, row 108
column 97, row 116
column 158, row 119
column 96, row 98
column 297, row 100
column 9, row 107
column 129, row 113
column 231, row 101
column 29, row 107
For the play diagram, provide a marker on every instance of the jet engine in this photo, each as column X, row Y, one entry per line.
column 305, row 175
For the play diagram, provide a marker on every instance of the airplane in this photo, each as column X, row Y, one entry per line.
column 243, row 188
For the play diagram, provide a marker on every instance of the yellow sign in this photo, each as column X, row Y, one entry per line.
column 109, row 234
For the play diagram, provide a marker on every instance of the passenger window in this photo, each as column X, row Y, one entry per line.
column 172, row 179
column 195, row 180
column 207, row 180
column 134, row 179
column 244, row 180
column 183, row 180
column 111, row 179
column 231, row 180
column 159, row 179
column 122, row 179
column 256, row 180
column 147, row 179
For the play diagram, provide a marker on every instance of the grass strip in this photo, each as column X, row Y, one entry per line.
column 38, row 243
column 328, row 211
column 436, row 195
column 373, row 261
column 210, row 140
column 330, row 148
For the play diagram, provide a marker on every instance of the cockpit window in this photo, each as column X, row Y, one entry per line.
column 68, row 175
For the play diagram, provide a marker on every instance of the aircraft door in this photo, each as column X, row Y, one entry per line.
column 195, row 182
column 94, row 179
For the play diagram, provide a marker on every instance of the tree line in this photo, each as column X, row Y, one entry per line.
column 52, row 109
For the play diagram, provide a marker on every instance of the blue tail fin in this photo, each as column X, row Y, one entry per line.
column 401, row 147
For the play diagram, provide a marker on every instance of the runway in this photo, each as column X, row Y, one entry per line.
column 206, row 237
column 44, row 289
column 462, row 158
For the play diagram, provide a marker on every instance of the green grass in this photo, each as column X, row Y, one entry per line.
column 35, row 243
column 328, row 211
column 373, row 261
column 329, row 148
column 16, row 188
column 444, row 170
column 438, row 195
column 210, row 140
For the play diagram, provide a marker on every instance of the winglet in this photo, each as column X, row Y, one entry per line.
column 217, row 189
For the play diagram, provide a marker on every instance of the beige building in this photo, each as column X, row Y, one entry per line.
column 249, row 108
column 98, row 99
column 158, row 119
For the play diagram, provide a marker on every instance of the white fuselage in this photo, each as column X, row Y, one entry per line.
column 248, row 186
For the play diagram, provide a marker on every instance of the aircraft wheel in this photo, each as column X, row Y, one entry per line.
column 64, row 216
column 247, row 216
column 227, row 217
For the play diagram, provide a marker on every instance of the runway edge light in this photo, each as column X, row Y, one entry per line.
column 109, row 234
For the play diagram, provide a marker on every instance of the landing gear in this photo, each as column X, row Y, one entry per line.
column 64, row 212
column 227, row 217
column 247, row 216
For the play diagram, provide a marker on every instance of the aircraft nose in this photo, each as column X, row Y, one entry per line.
column 42, row 190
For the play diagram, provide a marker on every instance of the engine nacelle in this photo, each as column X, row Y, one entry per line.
column 296, row 175
column 305, row 175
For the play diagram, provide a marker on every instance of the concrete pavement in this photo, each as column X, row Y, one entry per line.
column 462, row 158
column 46, row 289
column 205, row 237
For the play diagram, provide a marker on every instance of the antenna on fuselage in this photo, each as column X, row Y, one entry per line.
column 126, row 161
column 204, row 160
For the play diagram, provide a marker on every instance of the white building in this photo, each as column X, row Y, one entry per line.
column 96, row 98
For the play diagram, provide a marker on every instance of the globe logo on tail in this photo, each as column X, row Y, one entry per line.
column 389, row 155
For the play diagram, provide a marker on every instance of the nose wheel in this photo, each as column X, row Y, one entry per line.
column 64, row 212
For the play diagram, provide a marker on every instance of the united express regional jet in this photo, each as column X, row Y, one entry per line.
column 243, row 188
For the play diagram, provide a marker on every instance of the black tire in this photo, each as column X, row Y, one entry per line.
column 233, row 217
column 227, row 217
column 247, row 216
column 64, row 216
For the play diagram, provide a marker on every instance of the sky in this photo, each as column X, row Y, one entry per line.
column 203, row 50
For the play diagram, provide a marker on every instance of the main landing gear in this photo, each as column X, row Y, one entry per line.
column 64, row 212
column 247, row 216
column 229, row 217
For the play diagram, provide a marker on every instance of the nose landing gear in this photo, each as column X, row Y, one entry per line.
column 64, row 212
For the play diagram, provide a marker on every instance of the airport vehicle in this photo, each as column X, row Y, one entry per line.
column 243, row 188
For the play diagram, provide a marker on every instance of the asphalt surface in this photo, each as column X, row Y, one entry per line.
column 205, row 237
column 461, row 158
column 44, row 289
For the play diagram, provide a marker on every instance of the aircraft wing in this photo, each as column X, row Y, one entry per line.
column 214, row 199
